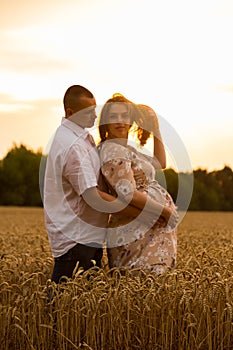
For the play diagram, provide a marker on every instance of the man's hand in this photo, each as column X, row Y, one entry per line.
column 170, row 216
column 102, row 201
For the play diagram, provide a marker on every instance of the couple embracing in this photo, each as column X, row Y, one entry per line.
column 107, row 193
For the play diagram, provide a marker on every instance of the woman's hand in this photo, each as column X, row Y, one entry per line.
column 147, row 118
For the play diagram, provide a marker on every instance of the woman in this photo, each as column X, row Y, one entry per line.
column 130, row 175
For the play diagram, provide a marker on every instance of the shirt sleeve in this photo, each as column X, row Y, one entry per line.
column 79, row 169
column 116, row 168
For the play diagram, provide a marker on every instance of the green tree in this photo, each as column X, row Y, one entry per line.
column 224, row 178
column 20, row 177
column 212, row 191
column 19, row 182
column 172, row 182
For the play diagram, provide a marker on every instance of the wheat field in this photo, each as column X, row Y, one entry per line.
column 188, row 308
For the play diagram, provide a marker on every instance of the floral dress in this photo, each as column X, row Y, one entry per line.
column 131, row 242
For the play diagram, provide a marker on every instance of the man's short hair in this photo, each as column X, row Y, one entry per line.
column 73, row 94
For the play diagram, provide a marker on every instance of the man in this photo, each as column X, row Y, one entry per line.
column 75, row 229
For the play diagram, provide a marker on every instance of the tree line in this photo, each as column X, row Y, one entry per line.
column 19, row 182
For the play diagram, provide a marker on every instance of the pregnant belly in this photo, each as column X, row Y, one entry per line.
column 160, row 195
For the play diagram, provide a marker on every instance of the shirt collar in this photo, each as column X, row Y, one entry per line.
column 77, row 130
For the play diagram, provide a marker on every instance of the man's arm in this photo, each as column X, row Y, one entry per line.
column 128, row 210
column 132, row 205
column 106, row 203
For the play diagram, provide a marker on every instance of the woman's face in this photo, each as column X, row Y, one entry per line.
column 118, row 120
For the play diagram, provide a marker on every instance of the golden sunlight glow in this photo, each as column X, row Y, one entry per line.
column 169, row 55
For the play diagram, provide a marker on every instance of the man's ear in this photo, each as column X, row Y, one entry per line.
column 69, row 112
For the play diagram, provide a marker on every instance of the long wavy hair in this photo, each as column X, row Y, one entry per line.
column 136, row 113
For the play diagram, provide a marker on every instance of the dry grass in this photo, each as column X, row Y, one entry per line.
column 188, row 308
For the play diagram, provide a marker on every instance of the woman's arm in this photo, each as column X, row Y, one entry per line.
column 159, row 150
column 148, row 120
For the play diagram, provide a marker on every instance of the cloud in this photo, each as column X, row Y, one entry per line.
column 36, row 105
column 6, row 98
column 18, row 13
column 29, row 122
column 225, row 88
column 31, row 62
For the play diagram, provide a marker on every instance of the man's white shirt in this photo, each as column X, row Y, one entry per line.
column 72, row 167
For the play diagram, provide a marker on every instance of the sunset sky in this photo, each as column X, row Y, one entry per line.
column 175, row 56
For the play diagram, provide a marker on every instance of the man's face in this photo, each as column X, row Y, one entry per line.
column 85, row 117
